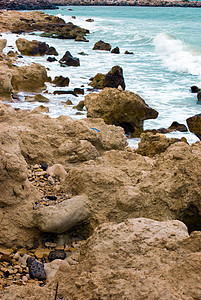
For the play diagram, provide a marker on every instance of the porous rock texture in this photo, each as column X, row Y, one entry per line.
column 34, row 47
column 136, row 259
column 119, row 108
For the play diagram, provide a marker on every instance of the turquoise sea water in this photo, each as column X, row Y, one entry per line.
column 166, row 62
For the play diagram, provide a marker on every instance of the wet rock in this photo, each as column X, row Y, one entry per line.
column 34, row 47
column 51, row 59
column 80, row 106
column 79, row 91
column 115, row 50
column 114, row 78
column 81, row 38
column 37, row 98
column 194, row 89
column 128, row 52
column 194, row 125
column 5, row 82
column 69, row 60
column 3, row 43
column 100, row 45
column 199, row 96
column 51, row 51
column 41, row 109
column 83, row 53
column 175, row 126
column 90, row 20
column 65, row 93
column 61, row 81
column 36, row 269
column 119, row 108
column 56, row 254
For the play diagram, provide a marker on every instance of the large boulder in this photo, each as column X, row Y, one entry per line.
column 61, row 81
column 69, row 60
column 100, row 45
column 29, row 78
column 5, row 82
column 194, row 125
column 120, row 108
column 114, row 78
column 139, row 258
column 3, row 43
column 34, row 47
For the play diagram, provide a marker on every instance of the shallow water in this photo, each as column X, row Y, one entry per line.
column 166, row 62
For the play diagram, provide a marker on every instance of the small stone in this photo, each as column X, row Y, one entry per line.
column 51, row 180
column 40, row 253
column 22, row 251
column 57, row 254
column 36, row 269
column 6, row 251
column 44, row 166
column 5, row 258
column 51, row 245
column 24, row 278
column 52, row 198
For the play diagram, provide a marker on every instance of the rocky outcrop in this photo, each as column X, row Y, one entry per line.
column 100, row 45
column 34, row 47
column 114, row 78
column 3, row 43
column 69, row 60
column 115, row 50
column 140, row 257
column 24, row 5
column 51, row 26
column 120, row 108
column 29, row 78
column 5, row 82
column 194, row 125
column 61, row 81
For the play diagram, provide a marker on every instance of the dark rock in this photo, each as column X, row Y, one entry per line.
column 51, row 59
column 51, row 51
column 53, row 198
column 31, row 47
column 69, row 60
column 100, row 45
column 79, row 91
column 68, row 102
column 115, row 50
column 61, row 81
column 44, row 166
column 113, row 79
column 195, row 89
column 80, row 106
column 90, row 20
column 36, row 269
column 6, row 258
column 199, row 96
column 57, row 254
column 82, row 53
column 177, row 126
column 73, row 17
column 128, row 52
column 194, row 125
column 64, row 92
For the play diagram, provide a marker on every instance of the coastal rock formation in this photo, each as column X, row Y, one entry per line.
column 115, row 50
column 100, row 45
column 51, row 26
column 69, row 60
column 194, row 125
column 34, row 47
column 114, row 78
column 26, row 5
column 140, row 257
column 29, row 78
column 120, row 108
column 5, row 82
column 61, row 81
column 3, row 43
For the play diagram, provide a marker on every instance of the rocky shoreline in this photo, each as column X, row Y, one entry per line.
column 83, row 216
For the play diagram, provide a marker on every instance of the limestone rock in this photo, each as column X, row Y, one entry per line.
column 5, row 82
column 100, row 45
column 194, row 125
column 120, row 108
column 3, row 43
column 57, row 170
column 34, row 47
column 29, row 78
column 37, row 98
column 63, row 216
column 152, row 144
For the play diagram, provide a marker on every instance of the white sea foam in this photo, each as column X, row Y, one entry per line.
column 177, row 56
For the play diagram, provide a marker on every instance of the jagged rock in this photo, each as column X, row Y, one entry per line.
column 41, row 109
column 51, row 59
column 36, row 269
column 115, row 50
column 194, row 89
column 61, row 81
column 119, row 108
column 81, row 38
column 51, row 51
column 57, row 254
column 34, row 47
column 152, row 144
column 114, row 78
column 194, row 125
column 79, row 106
column 79, row 91
column 199, row 97
column 5, row 82
column 100, row 45
column 175, row 126
column 90, row 20
column 29, row 78
column 128, row 52
column 63, row 216
column 69, row 60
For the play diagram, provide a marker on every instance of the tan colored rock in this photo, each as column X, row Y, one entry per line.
column 151, row 144
column 37, row 98
column 63, row 216
column 34, row 47
column 5, row 82
column 57, row 170
column 120, row 108
column 41, row 109
column 29, row 78
column 3, row 43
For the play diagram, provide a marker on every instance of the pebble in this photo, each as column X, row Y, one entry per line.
column 57, row 254
column 36, row 269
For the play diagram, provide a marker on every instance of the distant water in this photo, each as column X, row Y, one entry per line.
column 166, row 62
